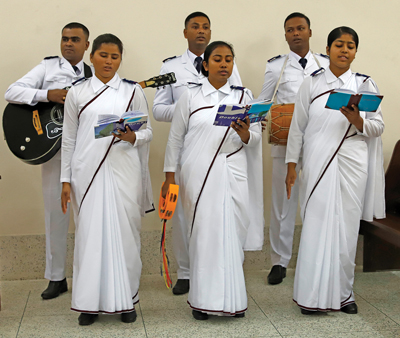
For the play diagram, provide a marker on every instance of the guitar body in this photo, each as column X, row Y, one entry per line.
column 33, row 133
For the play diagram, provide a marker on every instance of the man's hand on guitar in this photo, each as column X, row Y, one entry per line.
column 65, row 196
column 57, row 95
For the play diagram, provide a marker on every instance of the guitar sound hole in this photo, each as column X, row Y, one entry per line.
column 57, row 114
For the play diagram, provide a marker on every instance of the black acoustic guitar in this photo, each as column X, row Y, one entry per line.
column 33, row 133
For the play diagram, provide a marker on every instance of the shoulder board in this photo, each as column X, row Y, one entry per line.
column 275, row 58
column 167, row 59
column 238, row 88
column 194, row 84
column 50, row 57
column 129, row 81
column 79, row 81
column 323, row 55
column 358, row 74
column 318, row 71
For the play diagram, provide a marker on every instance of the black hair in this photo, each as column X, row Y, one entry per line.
column 107, row 38
column 297, row 15
column 73, row 25
column 339, row 31
column 210, row 48
column 195, row 15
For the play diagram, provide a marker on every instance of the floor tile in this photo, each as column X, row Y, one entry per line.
column 14, row 296
column 180, row 323
column 9, row 326
column 66, row 326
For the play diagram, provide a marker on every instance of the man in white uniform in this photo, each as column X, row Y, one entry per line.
column 47, row 82
column 288, row 71
column 187, row 69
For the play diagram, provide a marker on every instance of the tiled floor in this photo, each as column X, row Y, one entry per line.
column 271, row 312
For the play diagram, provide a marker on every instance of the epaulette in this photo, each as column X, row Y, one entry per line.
column 79, row 81
column 366, row 76
column 167, row 59
column 194, row 84
column 323, row 55
column 318, row 71
column 275, row 58
column 129, row 81
column 50, row 57
column 238, row 88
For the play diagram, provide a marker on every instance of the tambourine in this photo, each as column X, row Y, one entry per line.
column 166, row 209
column 167, row 205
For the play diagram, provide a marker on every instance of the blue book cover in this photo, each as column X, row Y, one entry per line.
column 366, row 101
column 227, row 113
column 109, row 124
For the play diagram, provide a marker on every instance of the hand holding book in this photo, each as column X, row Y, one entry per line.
column 365, row 101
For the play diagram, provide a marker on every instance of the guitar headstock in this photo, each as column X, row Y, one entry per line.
column 160, row 80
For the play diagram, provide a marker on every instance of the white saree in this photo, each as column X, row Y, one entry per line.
column 216, row 181
column 110, row 193
column 336, row 190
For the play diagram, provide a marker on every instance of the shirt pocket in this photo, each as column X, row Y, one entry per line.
column 289, row 86
column 55, row 82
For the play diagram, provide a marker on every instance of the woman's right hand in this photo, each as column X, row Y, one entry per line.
column 169, row 179
column 65, row 196
column 290, row 178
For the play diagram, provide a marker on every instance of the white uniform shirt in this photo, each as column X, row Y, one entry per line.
column 78, row 97
column 312, row 87
column 195, row 98
column 183, row 67
column 51, row 73
column 291, row 80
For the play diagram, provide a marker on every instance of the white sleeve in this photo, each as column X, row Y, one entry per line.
column 164, row 105
column 70, row 131
column 373, row 121
column 299, row 122
column 177, row 132
column 255, row 128
column 269, row 85
column 27, row 90
column 235, row 79
column 140, row 103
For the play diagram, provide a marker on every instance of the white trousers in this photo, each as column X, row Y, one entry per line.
column 283, row 213
column 56, row 222
column 180, row 238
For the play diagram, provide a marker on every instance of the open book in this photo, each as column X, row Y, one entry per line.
column 366, row 101
column 232, row 112
column 110, row 123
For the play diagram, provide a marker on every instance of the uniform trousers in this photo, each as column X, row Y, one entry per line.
column 180, row 238
column 56, row 222
column 283, row 213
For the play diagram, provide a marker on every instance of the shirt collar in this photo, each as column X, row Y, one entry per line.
column 209, row 89
column 193, row 56
column 330, row 77
column 113, row 83
column 297, row 57
column 79, row 65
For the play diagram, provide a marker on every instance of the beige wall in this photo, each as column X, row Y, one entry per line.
column 152, row 31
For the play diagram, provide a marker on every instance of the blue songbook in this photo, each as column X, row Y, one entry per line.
column 110, row 123
column 366, row 101
column 233, row 112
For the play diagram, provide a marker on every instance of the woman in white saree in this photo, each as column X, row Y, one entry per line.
column 107, row 181
column 342, row 178
column 220, row 185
